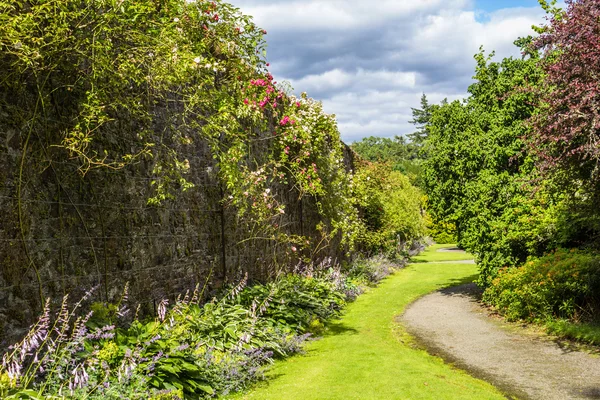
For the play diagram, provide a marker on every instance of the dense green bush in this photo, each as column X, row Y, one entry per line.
column 296, row 302
column 441, row 232
column 391, row 208
column 563, row 284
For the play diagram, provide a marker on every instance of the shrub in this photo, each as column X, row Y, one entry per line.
column 372, row 270
column 441, row 232
column 295, row 302
column 563, row 284
column 190, row 350
column 391, row 210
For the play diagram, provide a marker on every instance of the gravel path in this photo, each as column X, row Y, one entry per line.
column 452, row 324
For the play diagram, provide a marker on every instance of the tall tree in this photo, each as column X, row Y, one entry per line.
column 566, row 131
column 477, row 165
column 421, row 119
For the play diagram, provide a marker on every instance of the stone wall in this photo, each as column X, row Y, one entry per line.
column 64, row 233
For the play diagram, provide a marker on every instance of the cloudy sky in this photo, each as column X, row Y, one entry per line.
column 370, row 61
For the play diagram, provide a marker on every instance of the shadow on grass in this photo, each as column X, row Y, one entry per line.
column 413, row 261
column 453, row 286
column 592, row 392
column 427, row 261
column 335, row 328
column 450, row 249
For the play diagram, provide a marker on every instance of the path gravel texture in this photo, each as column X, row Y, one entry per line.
column 452, row 324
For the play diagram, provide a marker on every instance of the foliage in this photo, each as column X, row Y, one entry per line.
column 111, row 62
column 478, row 173
column 381, row 149
column 190, row 350
column 403, row 156
column 489, row 156
column 113, row 83
column 118, row 84
column 391, row 210
column 421, row 119
column 372, row 270
column 565, row 129
column 564, row 284
column 441, row 232
column 581, row 332
column 513, row 169
column 295, row 301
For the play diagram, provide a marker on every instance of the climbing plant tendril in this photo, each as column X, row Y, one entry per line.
column 119, row 82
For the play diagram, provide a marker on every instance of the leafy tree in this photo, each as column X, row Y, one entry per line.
column 404, row 155
column 477, row 169
column 380, row 149
column 566, row 131
column 397, row 152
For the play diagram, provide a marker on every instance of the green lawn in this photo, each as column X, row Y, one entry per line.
column 367, row 355
column 432, row 255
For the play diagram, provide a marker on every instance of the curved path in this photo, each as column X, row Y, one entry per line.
column 451, row 323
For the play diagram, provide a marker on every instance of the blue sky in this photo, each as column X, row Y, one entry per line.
column 492, row 5
column 369, row 62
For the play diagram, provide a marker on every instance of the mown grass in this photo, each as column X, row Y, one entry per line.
column 431, row 254
column 368, row 355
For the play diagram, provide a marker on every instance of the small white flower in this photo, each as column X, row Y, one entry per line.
column 197, row 60
column 175, row 19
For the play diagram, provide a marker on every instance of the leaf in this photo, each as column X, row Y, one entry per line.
column 206, row 389
column 26, row 394
column 169, row 368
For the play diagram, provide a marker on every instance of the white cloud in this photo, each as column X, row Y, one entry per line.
column 337, row 14
column 338, row 80
column 370, row 62
column 377, row 113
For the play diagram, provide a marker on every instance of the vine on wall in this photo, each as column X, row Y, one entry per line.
column 118, row 83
